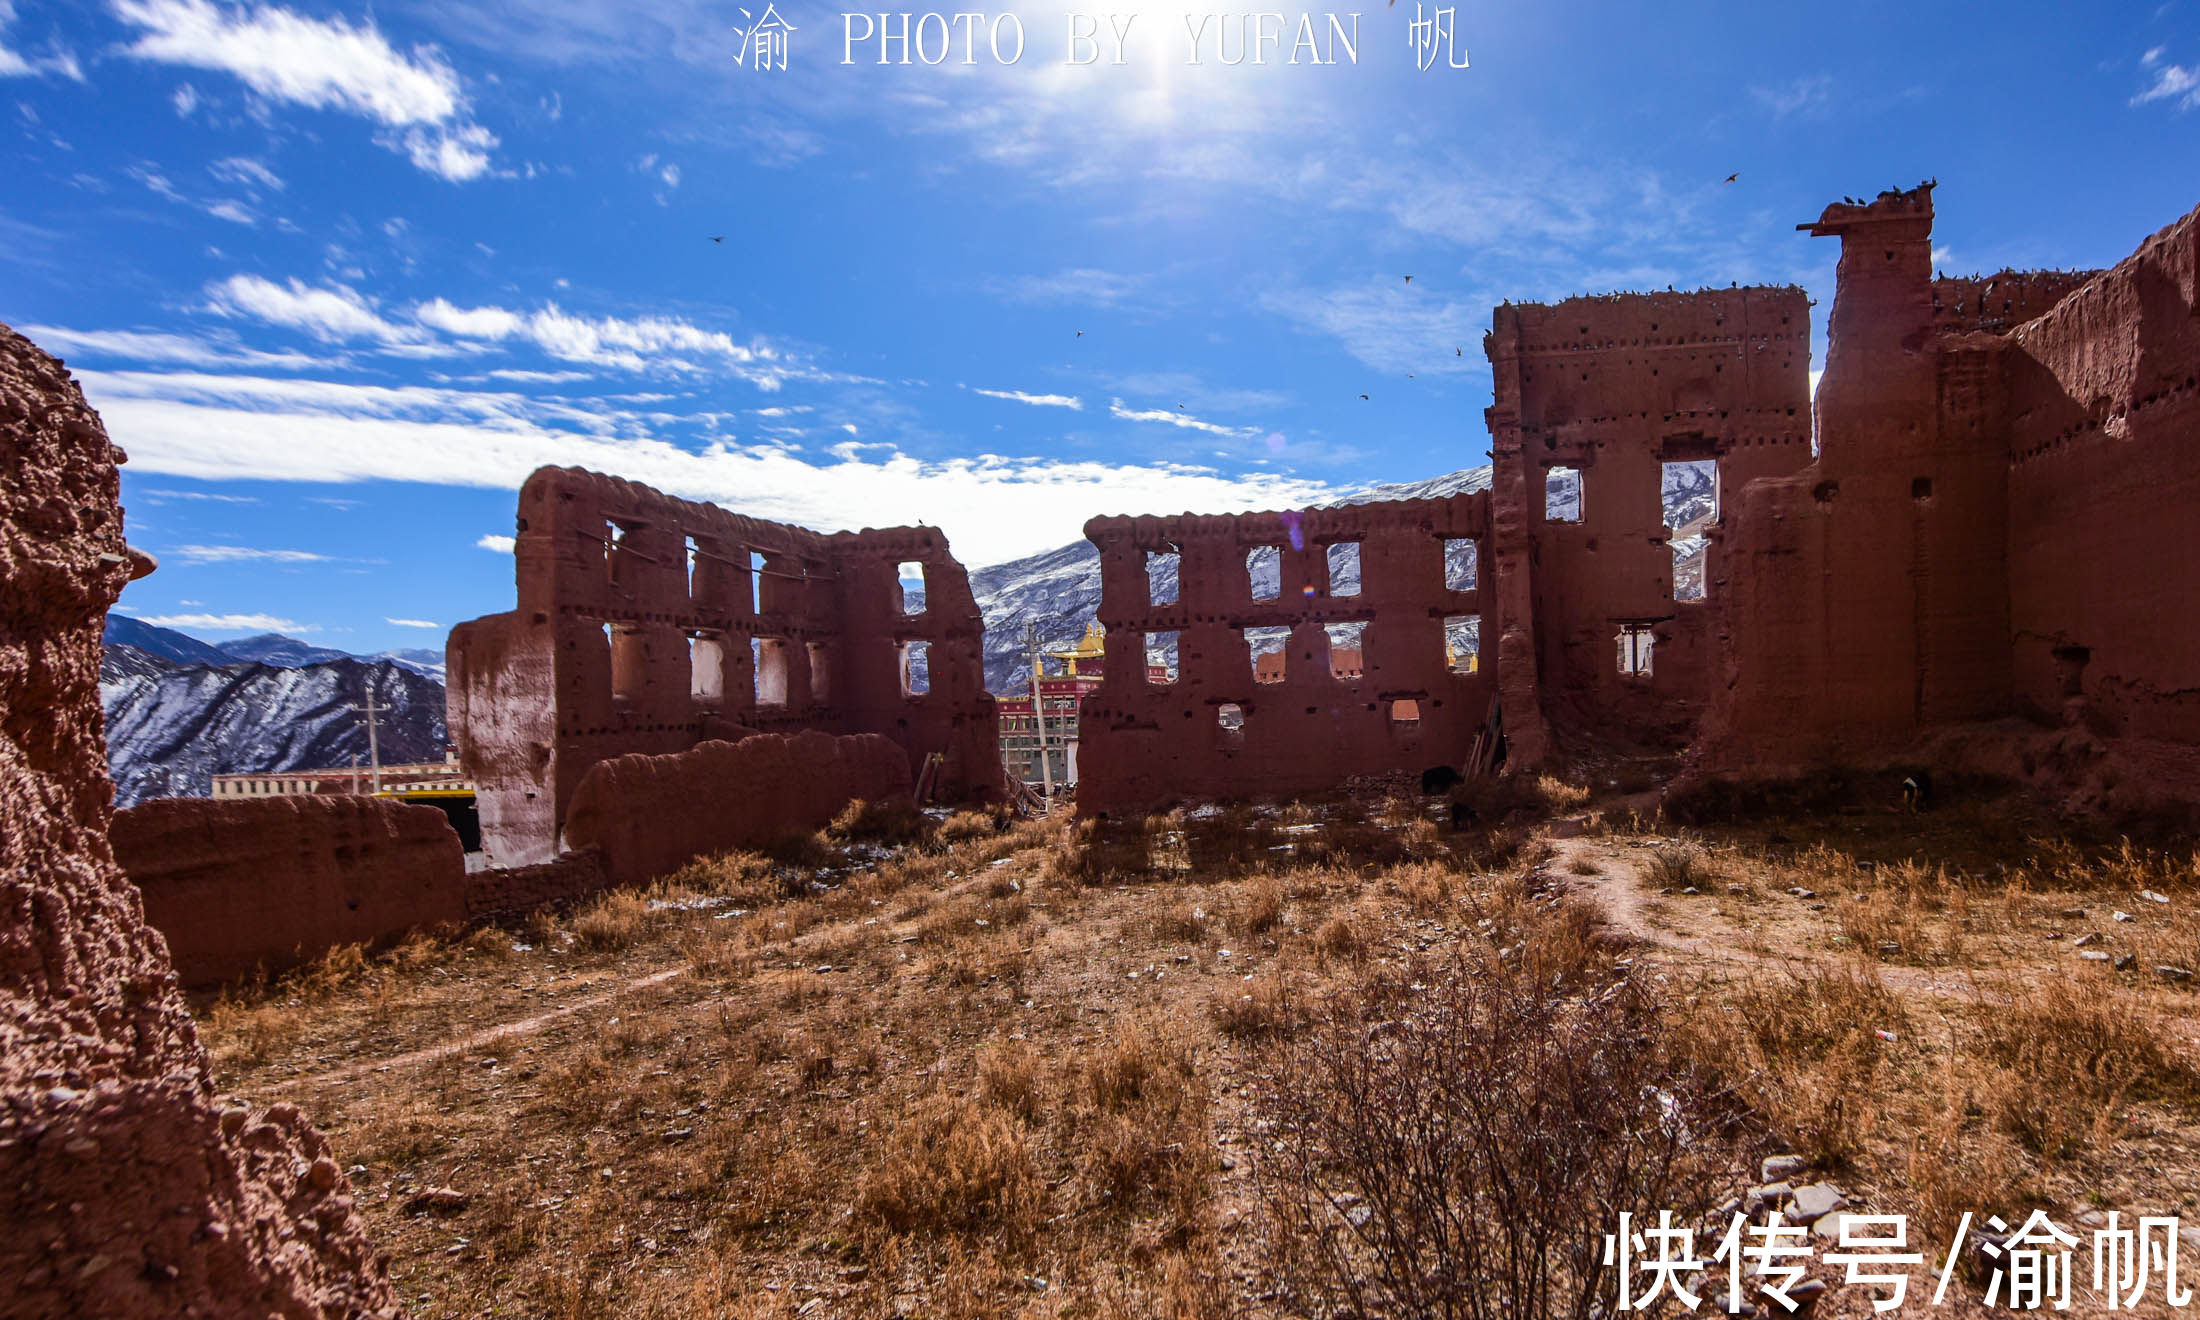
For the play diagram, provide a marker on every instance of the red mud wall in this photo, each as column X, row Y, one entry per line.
column 648, row 816
column 1143, row 744
column 126, row 1188
column 647, row 624
column 1615, row 387
column 2104, row 494
column 240, row 886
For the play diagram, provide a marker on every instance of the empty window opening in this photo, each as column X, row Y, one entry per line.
column 916, row 668
column 1161, row 658
column 1347, row 653
column 1689, row 492
column 910, row 578
column 756, row 582
column 1230, row 721
column 1463, row 643
column 821, row 673
column 617, row 548
column 1267, row 646
column 707, row 668
column 1405, row 715
column 1344, row 568
column 629, row 662
column 694, row 571
column 1562, row 495
column 1264, row 571
column 770, row 657
column 1635, row 643
column 1462, row 563
column 1161, row 566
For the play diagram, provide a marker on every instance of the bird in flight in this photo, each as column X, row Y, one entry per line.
column 717, row 238
column 1180, row 407
column 1735, row 175
column 1080, row 334
column 1458, row 352
column 1363, row 396
column 1409, row 279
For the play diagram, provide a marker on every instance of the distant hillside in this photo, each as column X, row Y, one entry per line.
column 167, row 643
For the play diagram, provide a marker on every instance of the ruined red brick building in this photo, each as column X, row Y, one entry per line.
column 1371, row 578
column 1982, row 516
column 1998, row 522
column 648, row 624
column 1595, row 399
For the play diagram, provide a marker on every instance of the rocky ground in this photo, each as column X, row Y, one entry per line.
column 1035, row 1072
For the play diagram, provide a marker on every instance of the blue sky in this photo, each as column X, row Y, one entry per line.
column 339, row 277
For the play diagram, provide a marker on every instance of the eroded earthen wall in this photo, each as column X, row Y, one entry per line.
column 647, row 624
column 127, row 1188
column 1615, row 388
column 1216, row 730
column 648, row 816
column 2103, row 413
column 247, row 885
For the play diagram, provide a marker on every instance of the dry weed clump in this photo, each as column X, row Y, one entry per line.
column 2071, row 1056
column 1810, row 1051
column 1141, row 1123
column 894, row 820
column 1260, row 906
column 955, row 1164
column 617, row 920
column 1453, row 1140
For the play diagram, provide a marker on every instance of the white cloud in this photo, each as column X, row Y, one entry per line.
column 470, row 322
column 1392, row 328
column 13, row 64
column 1116, row 409
column 323, row 64
column 1035, row 400
column 242, row 554
column 2172, row 82
column 410, row 623
column 153, row 346
column 503, row 545
column 185, row 99
column 245, row 172
column 671, row 175
column 1804, row 96
column 253, row 623
column 234, row 211
column 993, row 507
column 331, row 314
column 1098, row 288
column 630, row 344
column 162, row 496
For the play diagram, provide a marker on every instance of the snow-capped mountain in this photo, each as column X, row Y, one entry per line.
column 171, row 727
column 1060, row 589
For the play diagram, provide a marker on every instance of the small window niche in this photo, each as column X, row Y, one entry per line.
column 694, row 559
column 1562, row 495
column 1230, row 722
column 909, row 577
column 707, row 669
column 1462, row 563
column 916, row 668
column 770, row 657
column 629, row 662
column 1463, row 643
column 1405, row 716
column 1347, row 651
column 821, row 673
column 1160, row 659
column 1264, row 572
column 618, row 553
column 1344, row 568
column 1161, row 566
column 1636, row 642
column 1267, row 647
column 756, row 582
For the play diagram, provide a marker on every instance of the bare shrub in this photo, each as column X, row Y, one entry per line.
column 1453, row 1142
column 1339, row 938
column 1680, row 864
column 1255, row 1009
column 964, row 826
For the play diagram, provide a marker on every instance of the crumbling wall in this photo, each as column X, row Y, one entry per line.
column 1866, row 596
column 1615, row 388
column 510, row 894
column 2104, row 481
column 648, row 816
column 245, row 885
column 1216, row 730
column 126, row 1188
column 647, row 624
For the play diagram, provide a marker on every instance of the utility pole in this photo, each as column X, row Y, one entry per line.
column 374, row 745
column 1039, row 716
